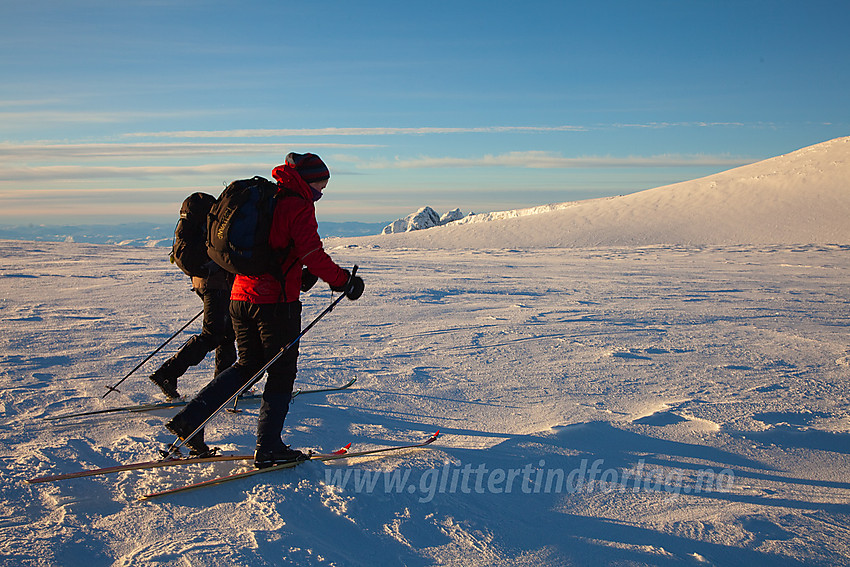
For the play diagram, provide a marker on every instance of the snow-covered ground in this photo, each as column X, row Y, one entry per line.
column 660, row 400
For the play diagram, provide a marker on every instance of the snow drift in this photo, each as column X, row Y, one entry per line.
column 799, row 198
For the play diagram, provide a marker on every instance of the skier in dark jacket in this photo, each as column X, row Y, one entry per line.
column 266, row 314
column 216, row 333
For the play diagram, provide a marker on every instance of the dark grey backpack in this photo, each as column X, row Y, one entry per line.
column 189, row 248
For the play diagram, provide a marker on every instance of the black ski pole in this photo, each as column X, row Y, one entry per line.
column 257, row 377
column 159, row 348
column 175, row 446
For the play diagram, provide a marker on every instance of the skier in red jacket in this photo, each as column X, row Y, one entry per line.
column 266, row 314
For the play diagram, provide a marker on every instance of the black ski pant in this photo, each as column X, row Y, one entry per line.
column 262, row 330
column 216, row 333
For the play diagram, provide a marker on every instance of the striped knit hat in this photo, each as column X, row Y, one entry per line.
column 310, row 167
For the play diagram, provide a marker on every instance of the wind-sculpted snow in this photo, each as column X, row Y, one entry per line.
column 657, row 405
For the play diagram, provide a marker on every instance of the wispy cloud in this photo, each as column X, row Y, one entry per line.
column 12, row 156
column 422, row 130
column 660, row 125
column 70, row 172
column 548, row 160
column 57, row 152
column 375, row 131
column 59, row 193
column 25, row 117
column 28, row 102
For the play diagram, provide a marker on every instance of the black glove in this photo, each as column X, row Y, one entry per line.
column 308, row 280
column 353, row 287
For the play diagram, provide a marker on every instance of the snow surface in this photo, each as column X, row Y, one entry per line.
column 657, row 379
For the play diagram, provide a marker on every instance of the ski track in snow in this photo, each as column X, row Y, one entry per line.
column 669, row 360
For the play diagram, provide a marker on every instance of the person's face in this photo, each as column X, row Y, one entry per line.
column 319, row 185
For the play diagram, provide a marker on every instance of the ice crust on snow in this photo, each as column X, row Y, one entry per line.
column 681, row 399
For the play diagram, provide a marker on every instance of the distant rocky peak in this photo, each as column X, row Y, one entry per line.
column 426, row 217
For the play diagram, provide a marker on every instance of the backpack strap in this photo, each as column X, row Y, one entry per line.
column 282, row 253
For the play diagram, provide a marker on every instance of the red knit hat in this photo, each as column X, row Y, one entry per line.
column 310, row 167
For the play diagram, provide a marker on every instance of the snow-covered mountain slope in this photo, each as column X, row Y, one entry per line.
column 799, row 198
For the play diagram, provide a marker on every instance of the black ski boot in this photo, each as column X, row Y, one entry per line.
column 168, row 384
column 197, row 447
column 284, row 454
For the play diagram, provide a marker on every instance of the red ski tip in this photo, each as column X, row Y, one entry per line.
column 342, row 450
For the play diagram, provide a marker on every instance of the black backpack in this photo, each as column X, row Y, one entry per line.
column 239, row 226
column 189, row 249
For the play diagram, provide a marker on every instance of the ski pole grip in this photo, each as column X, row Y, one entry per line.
column 350, row 280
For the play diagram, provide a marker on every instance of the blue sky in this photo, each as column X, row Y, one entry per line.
column 116, row 110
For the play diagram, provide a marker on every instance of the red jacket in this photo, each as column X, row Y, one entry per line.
column 294, row 223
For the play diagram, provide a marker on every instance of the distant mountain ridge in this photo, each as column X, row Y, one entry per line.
column 127, row 234
column 148, row 234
